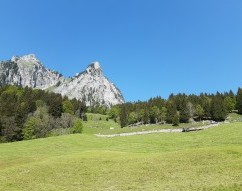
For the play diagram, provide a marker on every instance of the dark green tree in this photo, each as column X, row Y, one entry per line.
column 218, row 109
column 171, row 111
column 199, row 112
column 146, row 117
column 176, row 119
column 229, row 103
column 132, row 118
column 55, row 105
column 123, row 116
column 11, row 131
column 154, row 114
column 239, row 101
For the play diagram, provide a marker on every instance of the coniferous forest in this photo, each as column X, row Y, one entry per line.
column 27, row 113
column 180, row 108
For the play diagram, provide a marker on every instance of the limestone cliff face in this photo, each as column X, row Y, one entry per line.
column 27, row 71
column 90, row 86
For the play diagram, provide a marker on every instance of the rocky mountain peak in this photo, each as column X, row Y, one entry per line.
column 94, row 69
column 29, row 59
column 28, row 71
column 90, row 86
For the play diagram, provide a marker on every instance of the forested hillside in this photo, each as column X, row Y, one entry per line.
column 180, row 108
column 27, row 113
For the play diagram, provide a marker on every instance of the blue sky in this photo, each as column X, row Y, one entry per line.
column 146, row 47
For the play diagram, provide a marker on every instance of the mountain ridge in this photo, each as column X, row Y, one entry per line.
column 91, row 85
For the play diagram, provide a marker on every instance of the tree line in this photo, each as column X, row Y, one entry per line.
column 180, row 108
column 27, row 113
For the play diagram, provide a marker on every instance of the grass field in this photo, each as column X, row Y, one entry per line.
column 204, row 160
column 97, row 124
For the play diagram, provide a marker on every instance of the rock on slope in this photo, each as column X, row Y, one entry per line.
column 90, row 86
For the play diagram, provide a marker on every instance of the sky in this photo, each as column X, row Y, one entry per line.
column 147, row 48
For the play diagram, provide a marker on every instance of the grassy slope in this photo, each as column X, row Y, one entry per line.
column 205, row 160
column 96, row 126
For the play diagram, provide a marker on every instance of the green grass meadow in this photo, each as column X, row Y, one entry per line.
column 97, row 124
column 203, row 160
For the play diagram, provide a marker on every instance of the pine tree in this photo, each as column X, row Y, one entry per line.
column 176, row 119
column 146, row 118
column 229, row 103
column 123, row 116
column 239, row 101
column 55, row 105
column 199, row 112
column 154, row 114
column 171, row 111
column 218, row 108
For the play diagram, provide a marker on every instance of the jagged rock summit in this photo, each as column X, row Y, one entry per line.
column 27, row 71
column 90, row 86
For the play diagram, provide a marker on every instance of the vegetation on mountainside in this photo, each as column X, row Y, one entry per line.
column 180, row 108
column 27, row 113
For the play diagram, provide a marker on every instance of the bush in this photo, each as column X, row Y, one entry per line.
column 29, row 129
column 59, row 132
column 77, row 127
column 175, row 120
column 85, row 117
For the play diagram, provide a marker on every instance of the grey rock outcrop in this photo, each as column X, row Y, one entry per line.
column 92, row 87
column 27, row 71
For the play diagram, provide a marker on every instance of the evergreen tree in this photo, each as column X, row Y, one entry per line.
column 171, row 111
column 55, row 105
column 163, row 113
column 218, row 109
column 132, row 118
column 29, row 130
column 206, row 105
column 123, row 116
column 176, row 119
column 146, row 118
column 11, row 131
column 154, row 114
column 184, row 113
column 229, row 103
column 199, row 112
column 239, row 101
column 82, row 110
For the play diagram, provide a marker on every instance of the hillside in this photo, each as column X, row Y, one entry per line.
column 204, row 160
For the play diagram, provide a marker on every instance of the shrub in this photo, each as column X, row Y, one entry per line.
column 85, row 117
column 175, row 120
column 29, row 129
column 78, row 127
column 59, row 132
